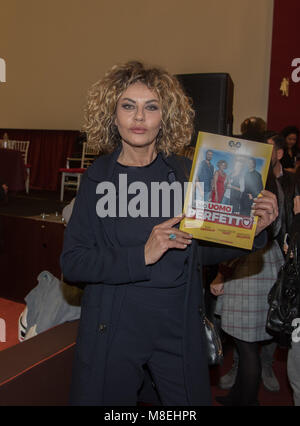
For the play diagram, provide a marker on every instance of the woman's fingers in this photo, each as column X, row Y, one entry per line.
column 268, row 202
column 176, row 234
column 171, row 222
column 171, row 237
column 164, row 237
column 266, row 208
column 217, row 289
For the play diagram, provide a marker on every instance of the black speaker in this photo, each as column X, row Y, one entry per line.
column 212, row 96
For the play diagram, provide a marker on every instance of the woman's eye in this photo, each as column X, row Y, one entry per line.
column 152, row 107
column 127, row 106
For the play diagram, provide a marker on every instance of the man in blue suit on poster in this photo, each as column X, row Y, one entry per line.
column 205, row 175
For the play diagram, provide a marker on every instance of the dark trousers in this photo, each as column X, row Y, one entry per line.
column 150, row 331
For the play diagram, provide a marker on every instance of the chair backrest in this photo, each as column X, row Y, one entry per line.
column 22, row 146
column 89, row 154
column 6, row 144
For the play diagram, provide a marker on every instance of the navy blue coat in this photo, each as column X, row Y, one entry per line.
column 92, row 255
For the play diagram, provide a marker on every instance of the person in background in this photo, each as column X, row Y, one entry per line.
column 3, row 191
column 291, row 149
column 285, row 187
column 293, row 362
column 253, row 129
column 244, row 285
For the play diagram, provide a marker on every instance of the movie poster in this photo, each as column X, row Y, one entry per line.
column 227, row 175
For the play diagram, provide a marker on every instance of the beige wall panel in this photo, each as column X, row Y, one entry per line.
column 55, row 49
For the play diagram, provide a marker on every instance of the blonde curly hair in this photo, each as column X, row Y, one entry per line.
column 177, row 113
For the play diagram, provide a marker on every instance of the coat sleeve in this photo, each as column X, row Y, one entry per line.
column 214, row 254
column 86, row 260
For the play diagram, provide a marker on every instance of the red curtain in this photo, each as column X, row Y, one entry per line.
column 48, row 151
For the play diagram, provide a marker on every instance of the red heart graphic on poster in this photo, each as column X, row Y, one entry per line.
column 247, row 222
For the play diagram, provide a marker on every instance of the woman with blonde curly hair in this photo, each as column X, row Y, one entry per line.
column 176, row 113
column 142, row 292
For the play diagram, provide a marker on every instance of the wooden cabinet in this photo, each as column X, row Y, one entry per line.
column 30, row 246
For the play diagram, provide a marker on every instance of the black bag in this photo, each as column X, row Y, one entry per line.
column 284, row 298
column 213, row 341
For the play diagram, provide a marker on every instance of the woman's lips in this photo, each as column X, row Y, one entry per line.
column 138, row 130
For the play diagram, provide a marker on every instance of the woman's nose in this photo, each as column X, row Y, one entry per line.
column 139, row 115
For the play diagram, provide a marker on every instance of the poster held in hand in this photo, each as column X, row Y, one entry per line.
column 227, row 175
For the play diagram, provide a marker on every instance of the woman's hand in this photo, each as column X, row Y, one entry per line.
column 266, row 208
column 217, row 285
column 297, row 204
column 159, row 242
column 217, row 289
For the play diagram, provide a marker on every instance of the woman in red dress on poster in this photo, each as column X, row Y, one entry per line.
column 218, row 184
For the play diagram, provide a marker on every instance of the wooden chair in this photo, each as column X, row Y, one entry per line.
column 71, row 176
column 6, row 144
column 23, row 147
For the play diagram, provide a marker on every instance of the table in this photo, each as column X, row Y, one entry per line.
column 12, row 169
column 30, row 245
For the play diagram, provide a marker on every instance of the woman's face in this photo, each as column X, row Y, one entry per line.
column 238, row 165
column 138, row 116
column 291, row 140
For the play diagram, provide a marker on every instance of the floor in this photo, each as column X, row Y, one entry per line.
column 266, row 398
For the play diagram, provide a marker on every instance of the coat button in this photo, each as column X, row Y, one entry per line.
column 102, row 328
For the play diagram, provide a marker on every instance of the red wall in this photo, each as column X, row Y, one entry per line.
column 284, row 111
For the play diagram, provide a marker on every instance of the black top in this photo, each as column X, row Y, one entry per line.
column 288, row 162
column 171, row 269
